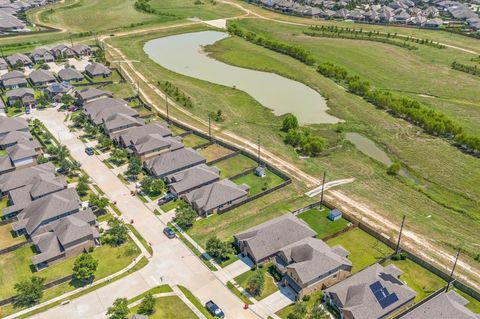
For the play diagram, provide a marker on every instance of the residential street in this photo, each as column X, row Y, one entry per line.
column 171, row 263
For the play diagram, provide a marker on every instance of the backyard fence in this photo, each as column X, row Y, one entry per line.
column 14, row 247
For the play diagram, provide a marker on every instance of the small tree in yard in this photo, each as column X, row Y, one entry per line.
column 299, row 311
column 394, row 169
column 218, row 249
column 134, row 167
column 290, row 122
column 119, row 309
column 105, row 142
column 117, row 234
column 318, row 312
column 82, row 186
column 99, row 202
column 84, row 267
column 119, row 156
column 29, row 292
column 256, row 283
column 185, row 215
column 147, row 307
column 152, row 186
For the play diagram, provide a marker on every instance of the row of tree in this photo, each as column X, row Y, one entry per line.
column 301, row 138
column 120, row 310
column 175, row 93
column 471, row 69
column 294, row 51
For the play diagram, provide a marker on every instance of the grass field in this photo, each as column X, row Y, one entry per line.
column 269, row 287
column 214, row 151
column 258, row 184
column 364, row 249
column 235, row 165
column 318, row 221
column 418, row 278
column 168, row 307
column 205, row 10
column 192, row 140
column 6, row 238
column 16, row 265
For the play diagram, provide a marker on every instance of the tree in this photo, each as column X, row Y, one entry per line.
column 256, row 283
column 66, row 166
column 84, row 267
column 105, row 142
column 394, row 169
column 218, row 249
column 59, row 152
column 147, row 306
column 289, row 122
column 117, row 234
column 67, row 99
column 29, row 292
column 82, row 186
column 318, row 312
column 98, row 201
column 134, row 167
column 299, row 311
column 90, row 129
column 185, row 215
column 119, row 156
column 119, row 309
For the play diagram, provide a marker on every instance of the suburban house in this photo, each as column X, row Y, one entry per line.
column 3, row 64
column 373, row 293
column 210, row 198
column 41, row 77
column 62, row 51
column 55, row 91
column 192, row 178
column 24, row 96
column 18, row 59
column 173, row 162
column 91, row 94
column 14, row 80
column 310, row 265
column 46, row 210
column 25, row 176
column 20, row 137
column 18, row 156
column 41, row 55
column 64, row 238
column 130, row 137
column 446, row 305
column 262, row 242
column 8, row 125
column 100, row 110
column 119, row 122
column 82, row 50
column 41, row 185
column 152, row 145
column 70, row 75
column 97, row 69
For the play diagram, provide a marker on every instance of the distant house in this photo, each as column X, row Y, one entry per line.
column 91, row 94
column 101, row 109
column 212, row 197
column 82, row 50
column 118, row 122
column 94, row 70
column 15, row 137
column 25, row 96
column 192, row 178
column 22, row 177
column 19, row 59
column 153, row 144
column 41, row 55
column 334, row 214
column 173, row 162
column 443, row 306
column 41, row 77
column 310, row 265
column 62, row 51
column 8, row 125
column 18, row 156
column 13, row 80
column 373, row 293
column 262, row 242
column 70, row 75
column 55, row 91
column 131, row 136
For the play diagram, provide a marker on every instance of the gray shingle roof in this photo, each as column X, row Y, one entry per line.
column 97, row 69
column 14, row 58
column 15, row 82
column 20, row 93
column 20, row 137
column 356, row 296
column 13, row 75
column 130, row 136
column 155, row 142
column 21, row 150
column 24, row 176
column 119, row 120
column 91, row 93
column 100, row 110
column 70, row 74
column 8, row 124
column 192, row 178
column 80, row 48
column 41, row 76
column 171, row 162
column 267, row 239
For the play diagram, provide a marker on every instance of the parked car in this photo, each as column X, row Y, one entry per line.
column 169, row 232
column 165, row 199
column 89, row 151
column 214, row 309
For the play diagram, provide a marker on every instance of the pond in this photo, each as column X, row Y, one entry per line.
column 183, row 54
column 369, row 148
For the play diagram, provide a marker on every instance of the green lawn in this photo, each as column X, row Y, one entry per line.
column 169, row 307
column 155, row 290
column 206, row 9
column 3, row 152
column 235, row 165
column 176, row 130
column 418, row 278
column 258, row 184
column 16, row 265
column 119, row 90
column 269, row 287
column 196, row 302
column 283, row 313
column 192, row 140
column 3, row 202
column 318, row 221
column 364, row 249
column 214, row 151
column 6, row 237
column 170, row 205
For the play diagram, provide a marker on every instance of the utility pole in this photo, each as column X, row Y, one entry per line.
column 400, row 236
column 323, row 188
column 138, row 88
column 258, row 152
column 453, row 270
column 166, row 103
column 209, row 127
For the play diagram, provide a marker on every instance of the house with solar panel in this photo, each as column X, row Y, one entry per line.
column 374, row 293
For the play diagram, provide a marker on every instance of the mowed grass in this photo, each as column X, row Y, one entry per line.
column 269, row 288
column 214, row 151
column 258, row 184
column 235, row 165
column 168, row 307
column 17, row 265
column 364, row 250
column 318, row 221
column 193, row 140
column 6, row 237
column 205, row 10
column 418, row 278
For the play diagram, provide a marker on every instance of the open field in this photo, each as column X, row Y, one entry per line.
column 364, row 249
column 6, row 238
column 205, row 10
column 192, row 140
column 235, row 165
column 168, row 307
column 269, row 287
column 16, row 265
column 318, row 221
column 258, row 184
column 214, row 151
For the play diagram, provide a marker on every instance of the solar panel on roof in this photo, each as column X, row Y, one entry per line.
column 383, row 296
column 376, row 286
column 387, row 301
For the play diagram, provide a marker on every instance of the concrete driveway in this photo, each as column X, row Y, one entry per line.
column 171, row 262
column 239, row 267
column 275, row 301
